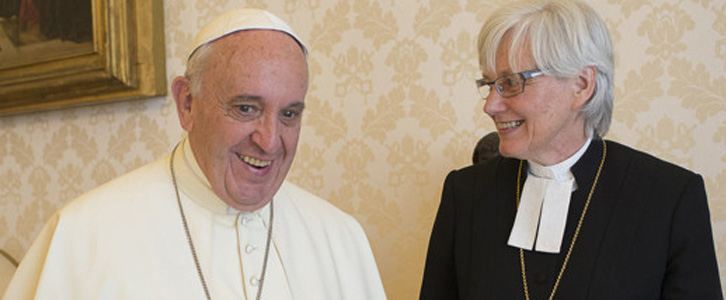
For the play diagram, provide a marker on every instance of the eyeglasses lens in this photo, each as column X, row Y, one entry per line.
column 510, row 85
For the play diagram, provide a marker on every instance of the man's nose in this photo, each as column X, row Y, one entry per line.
column 267, row 134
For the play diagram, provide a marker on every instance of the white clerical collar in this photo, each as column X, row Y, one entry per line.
column 195, row 185
column 544, row 204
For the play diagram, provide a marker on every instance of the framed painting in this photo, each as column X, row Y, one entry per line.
column 58, row 53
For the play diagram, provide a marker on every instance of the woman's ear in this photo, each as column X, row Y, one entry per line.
column 182, row 92
column 585, row 85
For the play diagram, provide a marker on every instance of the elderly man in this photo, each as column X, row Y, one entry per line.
column 215, row 218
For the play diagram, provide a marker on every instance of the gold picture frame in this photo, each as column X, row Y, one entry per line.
column 125, row 60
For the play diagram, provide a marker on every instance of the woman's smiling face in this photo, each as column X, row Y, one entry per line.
column 543, row 123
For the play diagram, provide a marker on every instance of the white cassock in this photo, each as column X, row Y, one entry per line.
column 125, row 240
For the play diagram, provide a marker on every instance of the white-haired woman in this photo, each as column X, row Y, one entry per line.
column 563, row 213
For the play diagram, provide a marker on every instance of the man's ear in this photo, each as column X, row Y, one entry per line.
column 585, row 85
column 181, row 90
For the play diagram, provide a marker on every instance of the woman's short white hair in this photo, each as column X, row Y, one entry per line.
column 564, row 37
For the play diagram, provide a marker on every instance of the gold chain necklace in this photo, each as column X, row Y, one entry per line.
column 577, row 230
column 191, row 242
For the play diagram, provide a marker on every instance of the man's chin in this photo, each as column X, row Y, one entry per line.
column 251, row 198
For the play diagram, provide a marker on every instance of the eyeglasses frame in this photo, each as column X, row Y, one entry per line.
column 529, row 74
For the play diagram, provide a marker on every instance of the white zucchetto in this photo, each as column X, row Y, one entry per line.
column 238, row 20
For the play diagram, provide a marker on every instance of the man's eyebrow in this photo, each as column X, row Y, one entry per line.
column 258, row 99
column 297, row 105
column 248, row 98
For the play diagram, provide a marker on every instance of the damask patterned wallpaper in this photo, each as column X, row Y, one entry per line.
column 391, row 109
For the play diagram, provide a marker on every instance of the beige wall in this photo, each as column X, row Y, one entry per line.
column 391, row 109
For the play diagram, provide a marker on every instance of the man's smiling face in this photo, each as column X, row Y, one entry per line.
column 244, row 123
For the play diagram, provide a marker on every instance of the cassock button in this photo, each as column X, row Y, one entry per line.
column 254, row 281
column 250, row 248
column 245, row 221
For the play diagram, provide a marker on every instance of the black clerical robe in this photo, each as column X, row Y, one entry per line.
column 646, row 235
